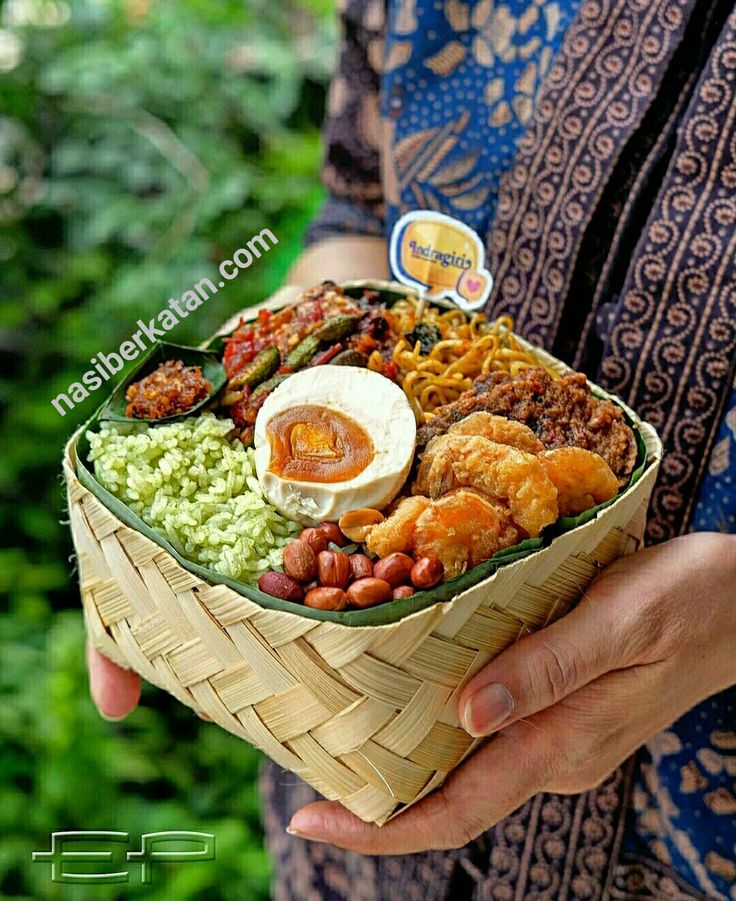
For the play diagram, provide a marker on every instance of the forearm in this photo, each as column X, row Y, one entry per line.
column 340, row 259
column 724, row 645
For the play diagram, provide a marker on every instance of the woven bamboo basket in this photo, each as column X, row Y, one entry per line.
column 367, row 715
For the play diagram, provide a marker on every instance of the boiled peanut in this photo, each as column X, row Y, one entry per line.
column 394, row 569
column 360, row 566
column 332, row 533
column 326, row 599
column 368, row 592
column 403, row 591
column 280, row 585
column 427, row 572
column 300, row 560
column 333, row 569
column 356, row 524
column 315, row 539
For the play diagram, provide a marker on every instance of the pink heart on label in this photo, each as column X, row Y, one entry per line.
column 473, row 288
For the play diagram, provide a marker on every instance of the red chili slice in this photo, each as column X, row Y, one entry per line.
column 239, row 410
column 390, row 369
column 326, row 355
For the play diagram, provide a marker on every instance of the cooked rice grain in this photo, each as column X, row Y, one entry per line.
column 197, row 488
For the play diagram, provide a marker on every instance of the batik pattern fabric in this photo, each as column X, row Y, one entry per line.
column 670, row 338
column 428, row 104
column 684, row 785
column 353, row 134
column 670, row 349
column 459, row 88
column 683, row 807
column 611, row 233
column 553, row 848
column 716, row 507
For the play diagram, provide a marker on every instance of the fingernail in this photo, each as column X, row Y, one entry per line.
column 302, row 833
column 487, row 709
column 299, row 834
column 111, row 719
column 305, row 837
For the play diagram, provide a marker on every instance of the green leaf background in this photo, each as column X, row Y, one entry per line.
column 140, row 144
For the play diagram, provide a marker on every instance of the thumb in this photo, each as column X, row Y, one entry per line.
column 542, row 668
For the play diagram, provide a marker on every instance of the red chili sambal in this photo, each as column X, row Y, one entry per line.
column 171, row 389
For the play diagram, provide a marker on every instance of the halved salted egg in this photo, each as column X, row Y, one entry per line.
column 332, row 439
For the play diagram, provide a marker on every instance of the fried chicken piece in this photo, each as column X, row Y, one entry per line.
column 396, row 532
column 462, row 529
column 581, row 477
column 560, row 412
column 511, row 533
column 498, row 429
column 498, row 471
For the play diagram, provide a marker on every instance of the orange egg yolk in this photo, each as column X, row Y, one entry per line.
column 315, row 444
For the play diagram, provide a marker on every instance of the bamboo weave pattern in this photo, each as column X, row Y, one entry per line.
column 366, row 715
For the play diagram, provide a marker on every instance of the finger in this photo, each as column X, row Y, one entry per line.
column 543, row 668
column 487, row 787
column 115, row 691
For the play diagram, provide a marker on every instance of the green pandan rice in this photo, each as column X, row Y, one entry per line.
column 198, row 488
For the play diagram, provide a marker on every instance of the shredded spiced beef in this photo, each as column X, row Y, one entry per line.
column 561, row 412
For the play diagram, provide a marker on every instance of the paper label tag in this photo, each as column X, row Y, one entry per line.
column 441, row 258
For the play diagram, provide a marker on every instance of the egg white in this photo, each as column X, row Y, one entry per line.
column 377, row 405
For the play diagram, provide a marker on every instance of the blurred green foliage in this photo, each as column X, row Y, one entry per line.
column 141, row 142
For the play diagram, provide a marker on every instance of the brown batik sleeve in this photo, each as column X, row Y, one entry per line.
column 352, row 134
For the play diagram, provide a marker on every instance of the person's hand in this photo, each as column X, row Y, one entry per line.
column 653, row 636
column 115, row 691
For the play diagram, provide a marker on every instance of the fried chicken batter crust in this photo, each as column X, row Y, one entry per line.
column 495, row 470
